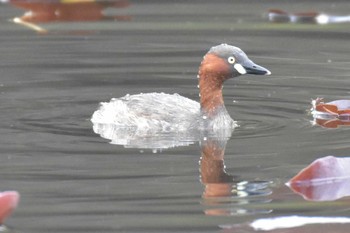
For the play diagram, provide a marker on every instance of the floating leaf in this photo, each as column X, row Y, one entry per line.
column 325, row 179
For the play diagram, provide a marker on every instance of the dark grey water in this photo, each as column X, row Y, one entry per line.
column 72, row 180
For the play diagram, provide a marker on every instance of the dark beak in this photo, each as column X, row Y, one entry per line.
column 253, row 68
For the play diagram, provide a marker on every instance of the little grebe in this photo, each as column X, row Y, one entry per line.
column 172, row 112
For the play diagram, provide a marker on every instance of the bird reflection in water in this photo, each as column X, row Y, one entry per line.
column 43, row 11
column 231, row 193
column 227, row 192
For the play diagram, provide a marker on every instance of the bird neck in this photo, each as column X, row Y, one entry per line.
column 211, row 98
column 212, row 73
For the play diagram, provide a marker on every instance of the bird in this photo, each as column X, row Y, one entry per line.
column 161, row 112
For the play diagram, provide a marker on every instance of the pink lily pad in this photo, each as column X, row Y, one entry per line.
column 8, row 202
column 325, row 179
column 331, row 114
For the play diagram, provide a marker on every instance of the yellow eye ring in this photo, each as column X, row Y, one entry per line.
column 231, row 60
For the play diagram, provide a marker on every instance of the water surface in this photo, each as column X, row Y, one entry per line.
column 71, row 180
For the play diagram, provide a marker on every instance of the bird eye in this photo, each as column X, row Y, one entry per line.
column 231, row 60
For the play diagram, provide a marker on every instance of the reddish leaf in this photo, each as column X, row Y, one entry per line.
column 8, row 202
column 327, row 108
column 325, row 179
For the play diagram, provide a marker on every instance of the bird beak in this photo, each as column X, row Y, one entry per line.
column 252, row 68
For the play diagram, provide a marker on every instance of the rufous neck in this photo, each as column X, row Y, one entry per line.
column 212, row 74
column 210, row 95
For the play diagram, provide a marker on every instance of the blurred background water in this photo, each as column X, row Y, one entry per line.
column 72, row 180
